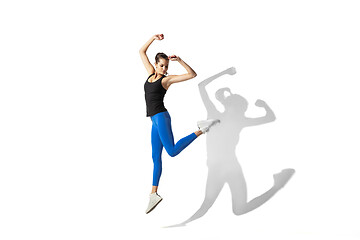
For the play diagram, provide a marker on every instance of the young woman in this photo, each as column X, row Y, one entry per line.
column 155, row 88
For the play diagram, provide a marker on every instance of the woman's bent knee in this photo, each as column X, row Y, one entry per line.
column 172, row 152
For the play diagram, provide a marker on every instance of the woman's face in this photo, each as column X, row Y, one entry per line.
column 162, row 66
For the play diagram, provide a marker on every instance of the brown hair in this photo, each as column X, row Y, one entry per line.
column 161, row 55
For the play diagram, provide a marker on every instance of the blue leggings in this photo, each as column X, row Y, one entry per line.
column 162, row 136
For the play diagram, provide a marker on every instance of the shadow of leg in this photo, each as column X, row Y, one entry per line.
column 280, row 179
column 213, row 188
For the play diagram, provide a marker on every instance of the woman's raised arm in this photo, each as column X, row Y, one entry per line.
column 180, row 78
column 149, row 67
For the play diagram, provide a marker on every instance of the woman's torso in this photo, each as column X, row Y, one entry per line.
column 154, row 96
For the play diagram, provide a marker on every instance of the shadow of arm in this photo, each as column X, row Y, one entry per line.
column 209, row 105
column 269, row 117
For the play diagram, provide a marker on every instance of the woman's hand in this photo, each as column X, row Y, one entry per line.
column 159, row 36
column 174, row 58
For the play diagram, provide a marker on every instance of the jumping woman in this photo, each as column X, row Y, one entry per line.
column 155, row 88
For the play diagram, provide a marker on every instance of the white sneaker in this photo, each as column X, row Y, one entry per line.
column 205, row 125
column 155, row 199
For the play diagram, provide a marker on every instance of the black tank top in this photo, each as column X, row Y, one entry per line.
column 154, row 96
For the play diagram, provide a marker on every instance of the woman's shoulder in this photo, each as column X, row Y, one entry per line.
column 150, row 76
column 167, row 77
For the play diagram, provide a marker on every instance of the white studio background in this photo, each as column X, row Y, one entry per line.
column 75, row 153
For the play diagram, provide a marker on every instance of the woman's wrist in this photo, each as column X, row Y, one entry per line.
column 158, row 37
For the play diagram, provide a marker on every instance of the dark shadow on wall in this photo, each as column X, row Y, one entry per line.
column 221, row 141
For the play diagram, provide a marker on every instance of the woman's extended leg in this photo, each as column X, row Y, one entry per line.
column 157, row 147
column 163, row 121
